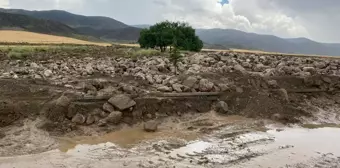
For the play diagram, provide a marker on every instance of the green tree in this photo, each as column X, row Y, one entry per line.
column 162, row 35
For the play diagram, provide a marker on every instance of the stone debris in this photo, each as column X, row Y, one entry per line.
column 151, row 126
column 122, row 102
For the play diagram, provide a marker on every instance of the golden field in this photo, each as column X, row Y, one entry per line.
column 11, row 36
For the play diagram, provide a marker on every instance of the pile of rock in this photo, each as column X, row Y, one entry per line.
column 158, row 72
column 111, row 112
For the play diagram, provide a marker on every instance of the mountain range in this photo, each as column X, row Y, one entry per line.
column 105, row 28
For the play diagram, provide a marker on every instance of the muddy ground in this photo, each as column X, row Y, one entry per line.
column 59, row 109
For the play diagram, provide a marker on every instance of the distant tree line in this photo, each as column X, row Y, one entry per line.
column 170, row 34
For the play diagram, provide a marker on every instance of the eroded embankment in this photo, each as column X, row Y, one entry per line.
column 72, row 96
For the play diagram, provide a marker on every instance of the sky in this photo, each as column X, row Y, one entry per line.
column 315, row 19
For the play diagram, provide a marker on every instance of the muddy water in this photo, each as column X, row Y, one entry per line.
column 232, row 142
column 126, row 138
column 129, row 137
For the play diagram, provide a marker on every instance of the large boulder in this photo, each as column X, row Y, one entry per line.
column 151, row 126
column 122, row 102
column 56, row 110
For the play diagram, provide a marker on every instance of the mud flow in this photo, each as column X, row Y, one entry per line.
column 221, row 109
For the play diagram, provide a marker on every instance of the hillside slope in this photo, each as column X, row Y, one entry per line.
column 97, row 26
column 238, row 39
column 70, row 19
column 23, row 22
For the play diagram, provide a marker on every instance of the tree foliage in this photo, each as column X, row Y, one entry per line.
column 164, row 33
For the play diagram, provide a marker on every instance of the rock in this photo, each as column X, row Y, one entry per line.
column 222, row 107
column 205, row 85
column 36, row 76
column 48, row 73
column 89, row 69
column 284, row 94
column 90, row 119
column 102, row 123
column 150, row 79
column 128, row 89
column 34, row 65
column 309, row 69
column 272, row 83
column 108, row 107
column 2, row 135
column 223, row 87
column 276, row 117
column 63, row 101
column 239, row 90
column 151, row 126
column 108, row 91
column 326, row 79
column 190, row 81
column 177, row 87
column 238, row 67
column 122, row 102
column 164, row 89
column 78, row 119
column 114, row 117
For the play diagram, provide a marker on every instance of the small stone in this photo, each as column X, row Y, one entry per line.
column 34, row 65
column 239, row 90
column 122, row 102
column 150, row 79
column 238, row 67
column 114, row 117
column 90, row 119
column 272, row 83
column 48, row 73
column 177, row 87
column 78, row 119
column 108, row 107
column 102, row 123
column 2, row 135
column 151, row 126
column 205, row 85
column 222, row 107
column 284, row 94
column 190, row 81
column 327, row 79
column 164, row 89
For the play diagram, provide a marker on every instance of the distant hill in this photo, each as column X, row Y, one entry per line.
column 72, row 20
column 238, row 39
column 97, row 26
column 122, row 34
column 23, row 22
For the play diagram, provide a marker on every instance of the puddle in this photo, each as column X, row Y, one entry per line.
column 129, row 137
column 284, row 148
column 126, row 138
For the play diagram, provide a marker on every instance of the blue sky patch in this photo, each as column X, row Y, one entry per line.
column 224, row 2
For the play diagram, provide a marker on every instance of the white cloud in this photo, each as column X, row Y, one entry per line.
column 319, row 20
column 4, row 3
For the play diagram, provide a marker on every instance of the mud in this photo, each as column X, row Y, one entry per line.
column 266, row 100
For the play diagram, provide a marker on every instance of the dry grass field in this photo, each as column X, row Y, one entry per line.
column 11, row 36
